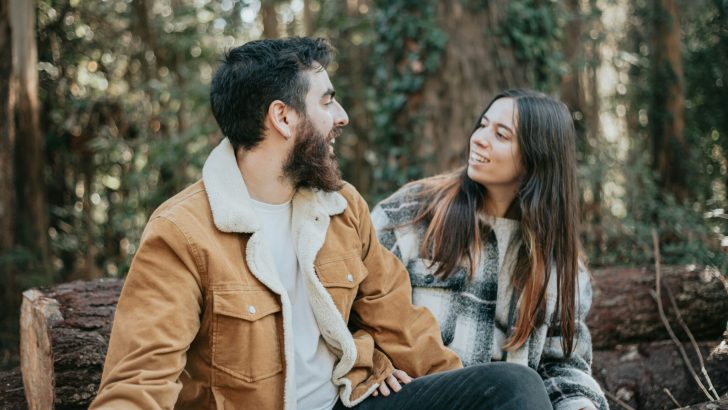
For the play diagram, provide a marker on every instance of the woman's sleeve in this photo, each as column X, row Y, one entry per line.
column 385, row 231
column 568, row 381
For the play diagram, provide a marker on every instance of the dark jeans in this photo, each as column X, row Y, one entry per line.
column 496, row 386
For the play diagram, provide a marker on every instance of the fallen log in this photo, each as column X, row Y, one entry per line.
column 638, row 374
column 624, row 311
column 64, row 334
column 12, row 396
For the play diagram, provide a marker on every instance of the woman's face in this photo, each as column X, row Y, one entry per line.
column 495, row 158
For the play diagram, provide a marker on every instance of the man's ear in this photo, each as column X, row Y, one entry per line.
column 282, row 118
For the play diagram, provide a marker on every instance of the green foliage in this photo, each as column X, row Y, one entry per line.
column 407, row 47
column 690, row 232
column 534, row 31
column 126, row 117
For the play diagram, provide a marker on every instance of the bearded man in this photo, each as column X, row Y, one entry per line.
column 263, row 285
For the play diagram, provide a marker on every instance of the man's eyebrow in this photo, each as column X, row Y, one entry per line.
column 329, row 92
column 499, row 124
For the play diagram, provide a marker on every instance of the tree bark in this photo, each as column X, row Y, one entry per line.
column 712, row 405
column 669, row 102
column 623, row 310
column 475, row 66
column 579, row 93
column 638, row 374
column 270, row 19
column 308, row 18
column 30, row 160
column 12, row 395
column 7, row 133
column 64, row 336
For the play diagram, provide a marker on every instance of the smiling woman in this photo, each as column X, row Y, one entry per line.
column 493, row 249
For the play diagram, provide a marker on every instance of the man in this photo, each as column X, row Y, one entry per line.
column 247, row 285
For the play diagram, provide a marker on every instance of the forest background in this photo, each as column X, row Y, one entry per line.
column 104, row 113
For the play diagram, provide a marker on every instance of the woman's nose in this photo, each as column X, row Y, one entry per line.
column 481, row 137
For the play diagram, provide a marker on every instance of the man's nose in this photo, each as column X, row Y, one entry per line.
column 341, row 118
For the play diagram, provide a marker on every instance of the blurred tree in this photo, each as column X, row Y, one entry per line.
column 668, row 103
column 32, row 211
column 7, row 133
column 271, row 28
column 583, row 35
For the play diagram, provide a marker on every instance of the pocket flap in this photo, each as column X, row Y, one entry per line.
column 245, row 304
column 344, row 273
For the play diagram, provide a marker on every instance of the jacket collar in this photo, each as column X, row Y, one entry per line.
column 232, row 209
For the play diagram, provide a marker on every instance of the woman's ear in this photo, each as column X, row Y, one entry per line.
column 282, row 118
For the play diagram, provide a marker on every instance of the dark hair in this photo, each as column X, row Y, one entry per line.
column 257, row 73
column 546, row 204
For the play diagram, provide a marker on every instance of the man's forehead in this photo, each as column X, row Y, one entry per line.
column 319, row 80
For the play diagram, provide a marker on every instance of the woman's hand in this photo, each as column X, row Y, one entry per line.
column 393, row 382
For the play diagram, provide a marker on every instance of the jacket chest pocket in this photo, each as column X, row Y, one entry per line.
column 247, row 332
column 341, row 278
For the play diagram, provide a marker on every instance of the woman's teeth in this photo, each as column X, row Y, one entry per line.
column 479, row 158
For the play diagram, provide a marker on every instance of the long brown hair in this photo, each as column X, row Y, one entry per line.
column 546, row 205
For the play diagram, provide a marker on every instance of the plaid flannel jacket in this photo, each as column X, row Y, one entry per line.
column 476, row 315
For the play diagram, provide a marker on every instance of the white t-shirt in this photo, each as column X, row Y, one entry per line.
column 314, row 362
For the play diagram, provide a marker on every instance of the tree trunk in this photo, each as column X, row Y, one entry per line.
column 623, row 310
column 64, row 336
column 7, row 133
column 30, row 160
column 308, row 16
column 638, row 374
column 143, row 28
column 475, row 66
column 270, row 19
column 669, row 145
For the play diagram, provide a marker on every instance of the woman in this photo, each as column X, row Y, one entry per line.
column 493, row 249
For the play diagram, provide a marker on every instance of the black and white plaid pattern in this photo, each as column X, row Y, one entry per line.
column 477, row 315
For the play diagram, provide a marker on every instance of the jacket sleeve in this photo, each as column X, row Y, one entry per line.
column 407, row 334
column 157, row 317
column 385, row 231
column 568, row 381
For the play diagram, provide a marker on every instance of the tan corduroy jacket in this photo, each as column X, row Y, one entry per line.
column 203, row 321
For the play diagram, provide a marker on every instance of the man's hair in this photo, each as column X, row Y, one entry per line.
column 257, row 73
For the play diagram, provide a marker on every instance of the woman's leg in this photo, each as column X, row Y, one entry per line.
column 497, row 386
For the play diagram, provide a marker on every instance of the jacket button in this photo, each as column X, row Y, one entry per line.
column 251, row 309
column 349, row 278
column 429, row 279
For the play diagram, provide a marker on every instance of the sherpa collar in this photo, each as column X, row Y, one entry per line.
column 232, row 209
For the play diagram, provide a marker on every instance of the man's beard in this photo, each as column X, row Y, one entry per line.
column 311, row 164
